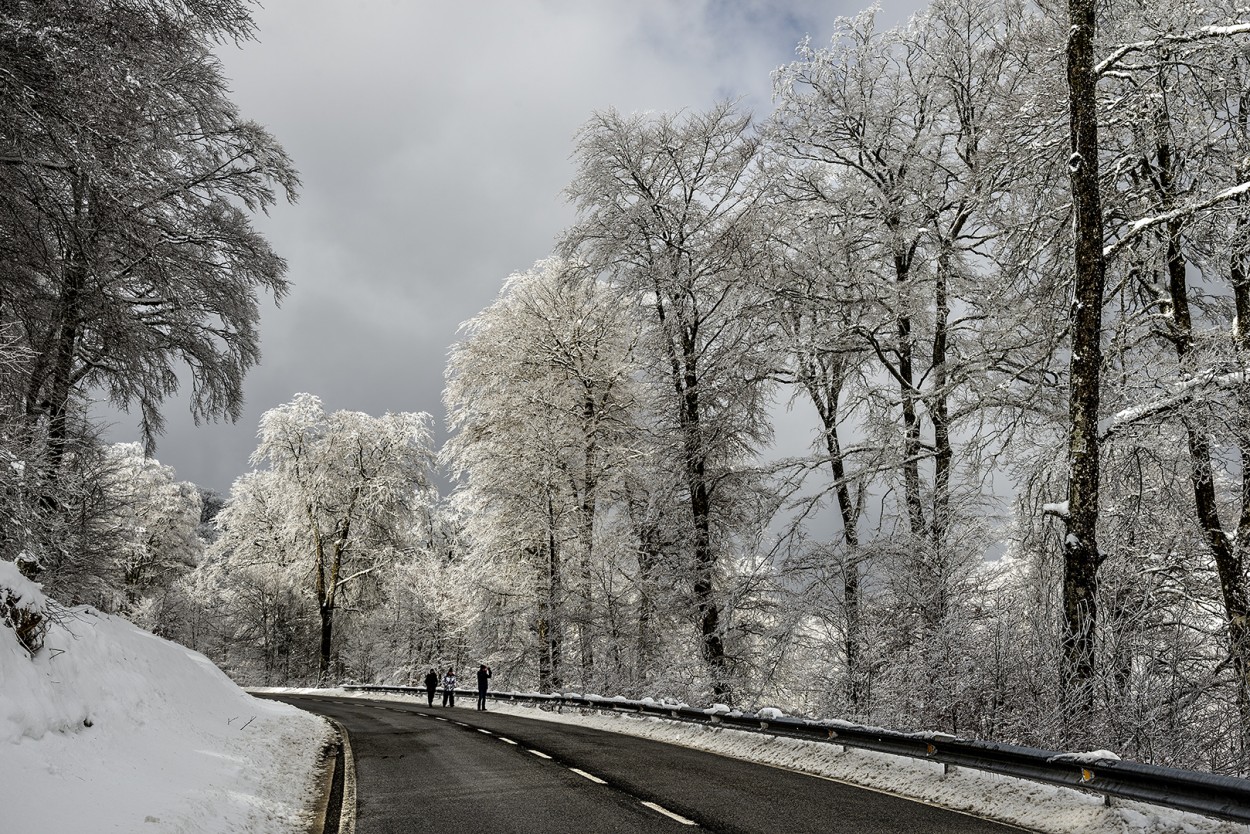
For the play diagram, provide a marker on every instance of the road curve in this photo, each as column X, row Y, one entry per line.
column 462, row 771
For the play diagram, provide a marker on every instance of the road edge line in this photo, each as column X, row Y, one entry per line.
column 347, row 808
column 321, row 805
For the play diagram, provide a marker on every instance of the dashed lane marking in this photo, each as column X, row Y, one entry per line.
column 540, row 755
column 589, row 776
column 506, row 740
column 488, row 732
column 662, row 810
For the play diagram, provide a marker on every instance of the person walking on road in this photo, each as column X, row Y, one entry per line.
column 483, row 675
column 431, row 684
column 449, row 688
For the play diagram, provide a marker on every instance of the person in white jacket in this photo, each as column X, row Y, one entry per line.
column 449, row 688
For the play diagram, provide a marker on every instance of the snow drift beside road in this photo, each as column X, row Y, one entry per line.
column 110, row 728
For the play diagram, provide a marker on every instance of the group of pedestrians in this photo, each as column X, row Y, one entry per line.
column 449, row 686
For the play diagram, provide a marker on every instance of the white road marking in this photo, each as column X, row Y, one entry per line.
column 662, row 810
column 540, row 755
column 507, row 740
column 488, row 732
column 589, row 776
column 436, row 718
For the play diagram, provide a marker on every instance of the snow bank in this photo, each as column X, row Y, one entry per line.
column 109, row 728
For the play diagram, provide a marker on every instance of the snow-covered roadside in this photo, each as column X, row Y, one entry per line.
column 1028, row 804
column 110, row 728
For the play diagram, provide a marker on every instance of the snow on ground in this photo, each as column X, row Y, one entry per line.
column 1033, row 805
column 111, row 729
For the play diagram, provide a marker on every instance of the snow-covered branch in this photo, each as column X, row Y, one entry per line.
column 1205, row 33
column 1145, row 223
column 1183, row 393
column 37, row 163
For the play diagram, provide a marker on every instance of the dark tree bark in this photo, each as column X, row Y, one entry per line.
column 704, row 556
column 1081, row 554
column 548, row 627
column 1227, row 551
column 589, row 502
column 822, row 375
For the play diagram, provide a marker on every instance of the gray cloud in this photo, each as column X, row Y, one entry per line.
column 434, row 140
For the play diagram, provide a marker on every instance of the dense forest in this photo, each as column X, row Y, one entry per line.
column 1002, row 253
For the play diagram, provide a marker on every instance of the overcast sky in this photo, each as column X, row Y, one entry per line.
column 433, row 140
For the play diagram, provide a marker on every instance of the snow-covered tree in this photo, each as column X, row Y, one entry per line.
column 333, row 505
column 666, row 209
column 127, row 179
column 155, row 520
column 898, row 297
column 543, row 402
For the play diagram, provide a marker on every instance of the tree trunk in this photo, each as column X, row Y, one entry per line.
column 648, row 562
column 327, row 640
column 1227, row 552
column 69, row 324
column 686, row 381
column 824, row 385
column 1231, row 565
column 911, row 424
column 588, row 506
column 550, row 629
column 1081, row 555
column 705, row 600
column 939, row 410
column 325, row 608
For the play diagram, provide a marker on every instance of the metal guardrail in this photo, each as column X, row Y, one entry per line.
column 1225, row 797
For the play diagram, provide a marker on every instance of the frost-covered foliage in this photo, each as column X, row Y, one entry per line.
column 896, row 246
column 154, row 521
column 550, row 427
column 318, row 529
column 965, row 547
column 129, row 179
column 669, row 213
column 128, row 182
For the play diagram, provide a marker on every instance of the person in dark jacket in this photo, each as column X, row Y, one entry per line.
column 483, row 675
column 431, row 684
column 449, row 688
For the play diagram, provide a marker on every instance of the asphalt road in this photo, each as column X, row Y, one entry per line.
column 461, row 771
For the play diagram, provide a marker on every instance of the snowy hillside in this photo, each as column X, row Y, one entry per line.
column 109, row 728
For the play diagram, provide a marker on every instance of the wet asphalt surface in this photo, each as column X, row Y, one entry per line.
column 462, row 771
